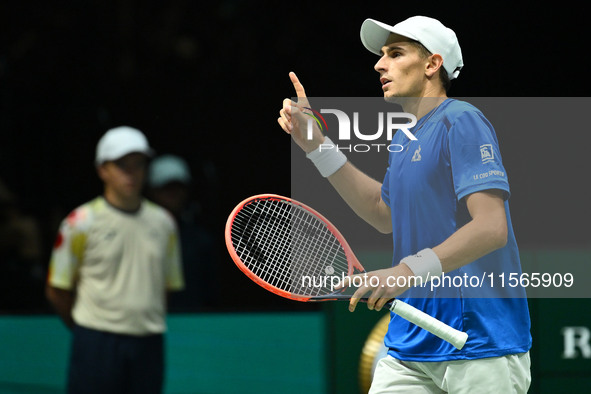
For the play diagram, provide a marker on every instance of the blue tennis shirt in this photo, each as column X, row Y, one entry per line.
column 456, row 153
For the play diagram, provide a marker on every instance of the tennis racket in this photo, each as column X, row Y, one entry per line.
column 291, row 250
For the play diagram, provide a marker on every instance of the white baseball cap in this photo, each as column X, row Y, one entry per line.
column 434, row 36
column 168, row 168
column 120, row 141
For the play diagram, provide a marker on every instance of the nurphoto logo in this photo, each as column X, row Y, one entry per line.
column 388, row 123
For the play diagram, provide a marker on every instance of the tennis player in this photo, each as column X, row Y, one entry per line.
column 113, row 262
column 444, row 198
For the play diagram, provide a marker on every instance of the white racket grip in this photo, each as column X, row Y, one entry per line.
column 429, row 323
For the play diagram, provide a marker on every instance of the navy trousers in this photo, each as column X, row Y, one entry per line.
column 103, row 362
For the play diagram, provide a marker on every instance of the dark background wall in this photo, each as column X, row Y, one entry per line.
column 205, row 80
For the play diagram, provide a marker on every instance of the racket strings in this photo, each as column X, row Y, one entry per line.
column 288, row 247
column 254, row 242
column 277, row 243
column 265, row 242
column 316, row 256
column 320, row 255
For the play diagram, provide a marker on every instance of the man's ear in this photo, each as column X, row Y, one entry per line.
column 435, row 62
column 101, row 171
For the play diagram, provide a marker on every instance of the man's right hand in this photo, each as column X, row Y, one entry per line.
column 294, row 119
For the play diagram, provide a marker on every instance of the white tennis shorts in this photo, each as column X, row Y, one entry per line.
column 507, row 375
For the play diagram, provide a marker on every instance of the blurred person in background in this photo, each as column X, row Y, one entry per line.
column 114, row 261
column 170, row 184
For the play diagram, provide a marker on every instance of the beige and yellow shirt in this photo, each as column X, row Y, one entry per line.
column 119, row 264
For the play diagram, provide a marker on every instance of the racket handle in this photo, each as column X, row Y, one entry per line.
column 429, row 323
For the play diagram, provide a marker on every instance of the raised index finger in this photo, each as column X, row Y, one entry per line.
column 299, row 88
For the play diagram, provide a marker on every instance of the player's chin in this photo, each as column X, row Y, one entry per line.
column 132, row 190
column 391, row 98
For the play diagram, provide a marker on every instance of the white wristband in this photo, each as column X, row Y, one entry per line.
column 327, row 158
column 424, row 264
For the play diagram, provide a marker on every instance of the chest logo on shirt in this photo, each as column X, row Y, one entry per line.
column 110, row 235
column 154, row 233
column 486, row 153
column 417, row 155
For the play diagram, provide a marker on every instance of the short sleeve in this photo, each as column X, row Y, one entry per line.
column 68, row 252
column 386, row 183
column 475, row 156
column 174, row 273
column 385, row 188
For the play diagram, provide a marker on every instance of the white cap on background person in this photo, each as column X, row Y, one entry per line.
column 120, row 141
column 166, row 169
column 431, row 33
